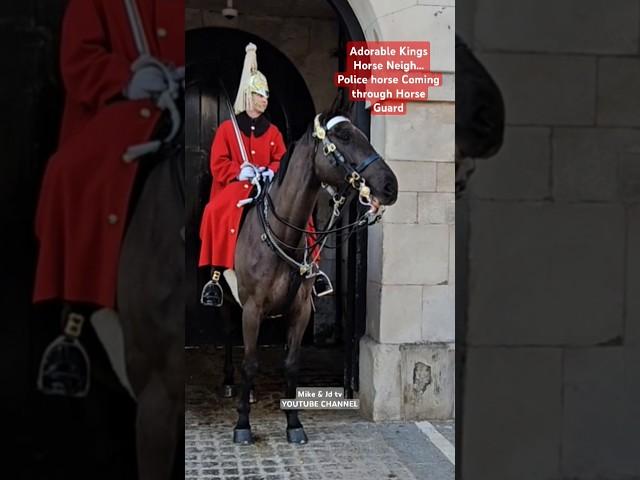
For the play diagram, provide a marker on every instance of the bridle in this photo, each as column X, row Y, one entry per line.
column 308, row 266
column 352, row 175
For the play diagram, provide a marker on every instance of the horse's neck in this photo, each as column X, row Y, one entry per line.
column 296, row 196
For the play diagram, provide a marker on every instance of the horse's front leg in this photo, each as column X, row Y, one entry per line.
column 228, row 385
column 160, row 416
column 298, row 320
column 251, row 318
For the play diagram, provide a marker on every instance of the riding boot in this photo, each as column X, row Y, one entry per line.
column 212, row 295
column 65, row 368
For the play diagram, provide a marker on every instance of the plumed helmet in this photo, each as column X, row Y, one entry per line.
column 251, row 81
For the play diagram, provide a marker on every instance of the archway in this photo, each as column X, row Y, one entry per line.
column 212, row 52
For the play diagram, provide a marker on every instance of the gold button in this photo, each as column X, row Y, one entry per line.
column 246, row 186
column 272, row 144
column 145, row 112
column 162, row 32
column 112, row 219
column 126, row 158
column 253, row 152
column 252, row 127
column 233, row 230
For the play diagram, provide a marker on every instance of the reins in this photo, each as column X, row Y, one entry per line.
column 265, row 205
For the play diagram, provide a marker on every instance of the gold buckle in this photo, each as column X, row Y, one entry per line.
column 329, row 148
column 73, row 328
column 216, row 276
column 318, row 131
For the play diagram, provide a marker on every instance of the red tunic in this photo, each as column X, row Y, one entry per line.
column 221, row 218
column 86, row 187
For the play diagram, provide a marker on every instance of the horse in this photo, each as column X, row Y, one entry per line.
column 273, row 278
column 151, row 308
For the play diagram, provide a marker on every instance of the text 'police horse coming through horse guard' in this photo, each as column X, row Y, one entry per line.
column 274, row 272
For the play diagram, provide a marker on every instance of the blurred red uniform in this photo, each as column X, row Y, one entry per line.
column 87, row 184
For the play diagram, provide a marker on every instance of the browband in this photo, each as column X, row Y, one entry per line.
column 336, row 120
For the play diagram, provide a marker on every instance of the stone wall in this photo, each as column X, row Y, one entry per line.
column 407, row 354
column 310, row 42
column 559, row 316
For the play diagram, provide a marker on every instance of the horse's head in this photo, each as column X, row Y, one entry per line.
column 344, row 156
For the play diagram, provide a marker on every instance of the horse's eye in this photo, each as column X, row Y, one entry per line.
column 344, row 136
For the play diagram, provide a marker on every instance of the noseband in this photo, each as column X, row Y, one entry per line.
column 352, row 175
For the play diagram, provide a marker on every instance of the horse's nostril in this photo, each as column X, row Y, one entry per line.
column 389, row 189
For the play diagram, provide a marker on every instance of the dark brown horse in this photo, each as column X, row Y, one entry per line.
column 151, row 307
column 270, row 257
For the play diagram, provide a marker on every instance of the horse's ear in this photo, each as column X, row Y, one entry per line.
column 341, row 105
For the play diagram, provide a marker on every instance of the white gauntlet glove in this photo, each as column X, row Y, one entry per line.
column 267, row 175
column 147, row 82
column 247, row 173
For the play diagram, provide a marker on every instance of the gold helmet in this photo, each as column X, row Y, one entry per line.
column 251, row 81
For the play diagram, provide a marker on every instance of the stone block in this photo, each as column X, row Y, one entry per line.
column 438, row 314
column 601, row 422
column 415, row 254
column 414, row 176
column 428, row 381
column 446, row 92
column 293, row 38
column 446, row 177
column 632, row 324
column 434, row 23
column 436, row 208
column 585, row 162
column 521, row 169
column 573, row 26
column 618, row 100
column 425, row 133
column 545, row 89
column 514, row 398
column 400, row 314
column 547, row 274
column 380, row 386
column 405, row 210
column 629, row 176
column 465, row 20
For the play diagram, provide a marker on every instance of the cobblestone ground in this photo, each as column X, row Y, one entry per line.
column 342, row 445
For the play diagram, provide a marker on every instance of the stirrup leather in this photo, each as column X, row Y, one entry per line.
column 212, row 295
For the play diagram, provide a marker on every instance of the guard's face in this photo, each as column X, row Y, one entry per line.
column 260, row 102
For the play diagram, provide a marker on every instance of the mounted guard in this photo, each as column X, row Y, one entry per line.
column 245, row 153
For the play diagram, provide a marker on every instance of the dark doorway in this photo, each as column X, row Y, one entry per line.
column 215, row 55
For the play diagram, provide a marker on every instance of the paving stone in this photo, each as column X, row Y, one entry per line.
column 342, row 444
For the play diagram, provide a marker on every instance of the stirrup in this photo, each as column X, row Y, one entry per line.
column 212, row 295
column 65, row 368
column 325, row 282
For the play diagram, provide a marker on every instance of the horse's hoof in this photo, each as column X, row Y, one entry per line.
column 297, row 435
column 252, row 396
column 243, row 436
column 228, row 391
